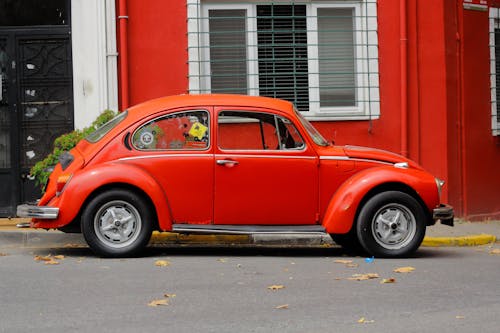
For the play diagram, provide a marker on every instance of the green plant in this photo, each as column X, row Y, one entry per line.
column 42, row 169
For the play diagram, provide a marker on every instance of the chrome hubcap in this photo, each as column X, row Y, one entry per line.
column 117, row 224
column 394, row 226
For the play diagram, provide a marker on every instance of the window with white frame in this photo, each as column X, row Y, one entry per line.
column 495, row 69
column 320, row 55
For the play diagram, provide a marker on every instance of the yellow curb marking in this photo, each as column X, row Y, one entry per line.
column 472, row 240
column 172, row 237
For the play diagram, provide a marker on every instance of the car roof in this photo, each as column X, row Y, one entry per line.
column 142, row 110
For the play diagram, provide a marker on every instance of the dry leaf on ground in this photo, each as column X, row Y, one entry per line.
column 495, row 251
column 51, row 262
column 59, row 257
column 222, row 260
column 281, row 307
column 460, row 317
column 363, row 277
column 162, row 263
column 276, row 287
column 169, row 295
column 158, row 302
column 43, row 258
column 362, row 320
column 343, row 261
column 389, row 280
column 407, row 269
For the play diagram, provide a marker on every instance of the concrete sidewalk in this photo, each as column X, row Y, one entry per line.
column 462, row 234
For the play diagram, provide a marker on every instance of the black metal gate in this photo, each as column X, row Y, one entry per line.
column 36, row 105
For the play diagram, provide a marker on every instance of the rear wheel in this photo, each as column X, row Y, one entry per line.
column 117, row 223
column 391, row 224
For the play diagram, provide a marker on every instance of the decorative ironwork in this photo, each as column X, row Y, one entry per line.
column 45, row 95
column 5, row 160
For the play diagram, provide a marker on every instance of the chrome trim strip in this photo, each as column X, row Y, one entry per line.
column 39, row 212
column 264, row 156
column 213, row 156
column 248, row 229
column 163, row 156
column 401, row 165
column 334, row 158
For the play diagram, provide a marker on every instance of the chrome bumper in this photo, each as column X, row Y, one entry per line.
column 445, row 214
column 38, row 212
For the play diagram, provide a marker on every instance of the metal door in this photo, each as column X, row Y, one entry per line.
column 36, row 106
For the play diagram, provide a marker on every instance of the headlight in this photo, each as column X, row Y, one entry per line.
column 439, row 184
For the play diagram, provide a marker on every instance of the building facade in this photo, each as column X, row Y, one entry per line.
column 416, row 77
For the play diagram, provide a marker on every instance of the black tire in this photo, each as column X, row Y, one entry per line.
column 117, row 223
column 391, row 224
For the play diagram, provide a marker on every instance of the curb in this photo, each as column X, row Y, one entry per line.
column 28, row 238
column 472, row 240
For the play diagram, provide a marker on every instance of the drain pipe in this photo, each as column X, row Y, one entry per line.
column 403, row 53
column 123, row 53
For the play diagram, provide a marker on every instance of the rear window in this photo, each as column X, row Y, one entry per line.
column 104, row 129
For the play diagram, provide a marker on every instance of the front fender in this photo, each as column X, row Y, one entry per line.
column 343, row 206
column 86, row 181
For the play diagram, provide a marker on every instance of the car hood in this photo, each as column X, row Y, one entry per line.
column 380, row 155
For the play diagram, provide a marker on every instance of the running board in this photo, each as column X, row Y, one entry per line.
column 247, row 229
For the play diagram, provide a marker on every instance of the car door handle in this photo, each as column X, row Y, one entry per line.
column 229, row 163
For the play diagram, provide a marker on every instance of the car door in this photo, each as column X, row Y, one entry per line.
column 265, row 172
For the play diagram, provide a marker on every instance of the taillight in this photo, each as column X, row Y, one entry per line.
column 62, row 181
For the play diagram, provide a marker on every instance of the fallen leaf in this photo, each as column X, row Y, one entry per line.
column 343, row 261
column 362, row 320
column 495, row 251
column 389, row 280
column 158, row 302
column 347, row 263
column 59, row 257
column 52, row 262
column 162, row 263
column 281, row 307
column 222, row 260
column 404, row 269
column 43, row 258
column 363, row 277
column 276, row 287
column 170, row 295
column 460, row 317
column 73, row 245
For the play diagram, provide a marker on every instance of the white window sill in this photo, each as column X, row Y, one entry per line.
column 339, row 117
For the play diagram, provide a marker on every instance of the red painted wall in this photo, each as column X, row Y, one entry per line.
column 449, row 124
column 481, row 149
column 157, row 48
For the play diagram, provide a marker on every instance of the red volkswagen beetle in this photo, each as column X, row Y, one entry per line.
column 233, row 164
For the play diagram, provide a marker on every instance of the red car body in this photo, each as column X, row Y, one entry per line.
column 218, row 163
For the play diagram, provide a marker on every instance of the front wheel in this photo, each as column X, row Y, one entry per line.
column 391, row 224
column 117, row 223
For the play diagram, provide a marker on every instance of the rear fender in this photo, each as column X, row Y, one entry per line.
column 345, row 203
column 88, row 181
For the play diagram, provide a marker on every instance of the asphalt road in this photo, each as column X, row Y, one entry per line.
column 248, row 290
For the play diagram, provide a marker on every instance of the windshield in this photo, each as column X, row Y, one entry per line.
column 104, row 129
column 313, row 132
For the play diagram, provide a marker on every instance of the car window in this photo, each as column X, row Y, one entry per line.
column 99, row 133
column 188, row 130
column 246, row 130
